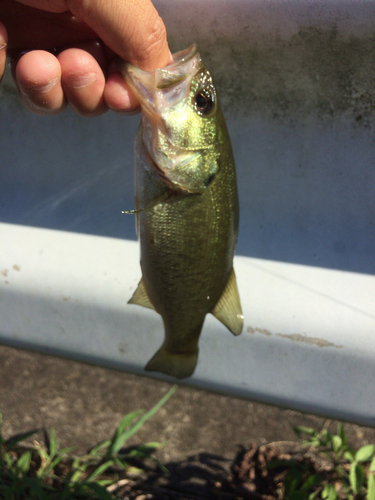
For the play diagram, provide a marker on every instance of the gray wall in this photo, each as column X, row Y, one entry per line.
column 296, row 80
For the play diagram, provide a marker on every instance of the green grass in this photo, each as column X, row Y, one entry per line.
column 329, row 469
column 38, row 472
column 347, row 474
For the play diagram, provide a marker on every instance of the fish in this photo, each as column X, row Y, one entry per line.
column 186, row 205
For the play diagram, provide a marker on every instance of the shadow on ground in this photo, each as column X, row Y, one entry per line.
column 200, row 476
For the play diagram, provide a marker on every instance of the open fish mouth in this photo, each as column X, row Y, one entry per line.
column 165, row 87
column 154, row 88
column 184, row 64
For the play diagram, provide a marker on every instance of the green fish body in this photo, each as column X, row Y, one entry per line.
column 187, row 204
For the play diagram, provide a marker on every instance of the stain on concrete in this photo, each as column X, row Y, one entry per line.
column 263, row 331
column 317, row 70
column 295, row 337
column 298, row 337
column 122, row 347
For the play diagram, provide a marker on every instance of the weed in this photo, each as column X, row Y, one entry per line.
column 45, row 473
column 349, row 474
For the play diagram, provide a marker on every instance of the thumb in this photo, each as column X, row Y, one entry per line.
column 133, row 29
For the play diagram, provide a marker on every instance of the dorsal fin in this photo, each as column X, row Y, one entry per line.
column 228, row 308
column 140, row 296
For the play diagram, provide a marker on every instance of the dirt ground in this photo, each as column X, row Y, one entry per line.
column 256, row 473
column 215, row 446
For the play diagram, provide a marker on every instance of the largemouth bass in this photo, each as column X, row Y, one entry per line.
column 187, row 207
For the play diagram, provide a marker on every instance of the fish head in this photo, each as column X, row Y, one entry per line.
column 181, row 130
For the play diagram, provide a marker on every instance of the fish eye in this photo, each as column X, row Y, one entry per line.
column 204, row 102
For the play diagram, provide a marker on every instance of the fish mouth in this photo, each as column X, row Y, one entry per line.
column 184, row 64
column 153, row 88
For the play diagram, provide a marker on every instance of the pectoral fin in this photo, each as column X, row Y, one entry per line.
column 140, row 297
column 150, row 205
column 228, row 308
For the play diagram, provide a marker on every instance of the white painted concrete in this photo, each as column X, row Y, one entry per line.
column 308, row 339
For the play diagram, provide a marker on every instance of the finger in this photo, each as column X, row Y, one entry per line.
column 3, row 49
column 38, row 77
column 132, row 29
column 83, row 81
column 117, row 93
column 94, row 47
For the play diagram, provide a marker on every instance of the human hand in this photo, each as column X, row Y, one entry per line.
column 63, row 51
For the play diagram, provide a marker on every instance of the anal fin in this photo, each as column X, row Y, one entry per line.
column 140, row 296
column 228, row 308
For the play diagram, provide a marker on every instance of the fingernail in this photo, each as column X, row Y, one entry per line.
column 171, row 61
column 32, row 88
column 80, row 81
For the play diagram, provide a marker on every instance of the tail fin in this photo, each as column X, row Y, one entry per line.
column 176, row 365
